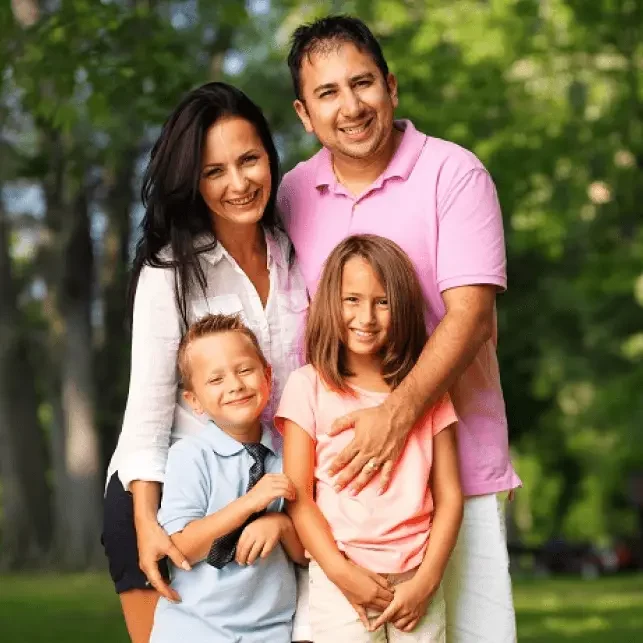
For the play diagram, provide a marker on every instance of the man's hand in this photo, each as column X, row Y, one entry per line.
column 408, row 606
column 260, row 537
column 153, row 545
column 380, row 436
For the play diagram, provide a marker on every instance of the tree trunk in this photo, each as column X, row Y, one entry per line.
column 80, row 523
column 26, row 520
column 113, row 356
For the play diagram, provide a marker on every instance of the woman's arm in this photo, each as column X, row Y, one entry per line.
column 149, row 413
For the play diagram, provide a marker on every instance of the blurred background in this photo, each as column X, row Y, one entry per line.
column 548, row 93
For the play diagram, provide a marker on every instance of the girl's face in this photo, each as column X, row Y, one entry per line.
column 235, row 173
column 365, row 308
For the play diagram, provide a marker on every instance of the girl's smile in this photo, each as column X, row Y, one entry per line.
column 365, row 308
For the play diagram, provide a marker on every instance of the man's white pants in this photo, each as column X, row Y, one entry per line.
column 477, row 585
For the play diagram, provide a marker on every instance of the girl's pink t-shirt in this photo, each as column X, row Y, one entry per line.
column 385, row 533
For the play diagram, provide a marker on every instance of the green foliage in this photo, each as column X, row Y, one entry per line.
column 548, row 94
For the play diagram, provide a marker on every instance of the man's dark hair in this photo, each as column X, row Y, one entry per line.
column 329, row 32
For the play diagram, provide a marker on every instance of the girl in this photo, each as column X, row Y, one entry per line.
column 211, row 243
column 375, row 572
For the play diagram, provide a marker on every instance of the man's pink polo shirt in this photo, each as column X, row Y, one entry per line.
column 438, row 202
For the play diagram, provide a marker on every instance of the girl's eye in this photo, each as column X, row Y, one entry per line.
column 350, row 300
column 215, row 380
column 246, row 370
column 383, row 302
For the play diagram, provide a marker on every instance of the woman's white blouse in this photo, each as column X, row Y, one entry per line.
column 155, row 413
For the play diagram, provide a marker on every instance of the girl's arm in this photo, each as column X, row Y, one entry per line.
column 291, row 543
column 363, row 588
column 447, row 516
column 312, row 528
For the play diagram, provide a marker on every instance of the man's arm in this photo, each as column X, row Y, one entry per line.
column 466, row 326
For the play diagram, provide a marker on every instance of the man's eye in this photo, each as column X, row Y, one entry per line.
column 326, row 94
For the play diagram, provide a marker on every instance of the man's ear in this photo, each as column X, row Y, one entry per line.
column 391, row 83
column 192, row 400
column 302, row 112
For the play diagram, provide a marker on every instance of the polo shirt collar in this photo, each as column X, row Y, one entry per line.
column 401, row 165
column 225, row 445
column 217, row 253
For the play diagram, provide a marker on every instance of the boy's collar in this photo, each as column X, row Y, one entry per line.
column 225, row 445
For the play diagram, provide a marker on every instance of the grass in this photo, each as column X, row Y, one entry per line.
column 52, row 608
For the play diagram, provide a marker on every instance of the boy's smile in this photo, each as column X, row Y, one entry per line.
column 229, row 382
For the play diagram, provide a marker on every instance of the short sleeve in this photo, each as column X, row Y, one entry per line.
column 284, row 194
column 298, row 401
column 186, row 491
column 443, row 415
column 471, row 246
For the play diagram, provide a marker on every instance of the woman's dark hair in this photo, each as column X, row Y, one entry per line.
column 175, row 212
column 326, row 328
column 331, row 31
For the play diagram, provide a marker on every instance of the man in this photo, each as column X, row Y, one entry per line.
column 437, row 201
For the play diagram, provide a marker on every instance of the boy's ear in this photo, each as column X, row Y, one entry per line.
column 192, row 400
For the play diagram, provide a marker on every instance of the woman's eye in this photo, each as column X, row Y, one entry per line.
column 383, row 302
column 212, row 173
column 250, row 159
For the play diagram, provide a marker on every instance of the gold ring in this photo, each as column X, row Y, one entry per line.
column 372, row 465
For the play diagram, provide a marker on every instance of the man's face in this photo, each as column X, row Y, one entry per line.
column 347, row 103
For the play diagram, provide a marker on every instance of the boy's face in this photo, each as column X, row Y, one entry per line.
column 229, row 381
column 347, row 102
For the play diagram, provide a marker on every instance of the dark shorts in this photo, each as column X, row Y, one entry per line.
column 119, row 539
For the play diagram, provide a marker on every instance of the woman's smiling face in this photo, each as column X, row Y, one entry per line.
column 235, row 173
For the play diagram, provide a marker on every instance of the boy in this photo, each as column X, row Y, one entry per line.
column 223, row 497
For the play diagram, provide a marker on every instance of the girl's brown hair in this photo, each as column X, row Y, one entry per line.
column 326, row 331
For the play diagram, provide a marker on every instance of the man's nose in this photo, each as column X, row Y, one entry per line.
column 351, row 104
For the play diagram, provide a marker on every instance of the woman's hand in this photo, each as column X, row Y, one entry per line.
column 380, row 436
column 153, row 545
column 365, row 590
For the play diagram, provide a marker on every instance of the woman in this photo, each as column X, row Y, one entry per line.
column 211, row 243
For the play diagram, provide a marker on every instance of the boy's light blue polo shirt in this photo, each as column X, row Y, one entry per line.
column 253, row 603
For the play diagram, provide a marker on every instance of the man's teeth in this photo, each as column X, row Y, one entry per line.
column 244, row 200
column 355, row 130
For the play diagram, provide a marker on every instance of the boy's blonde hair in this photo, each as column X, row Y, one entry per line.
column 212, row 325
